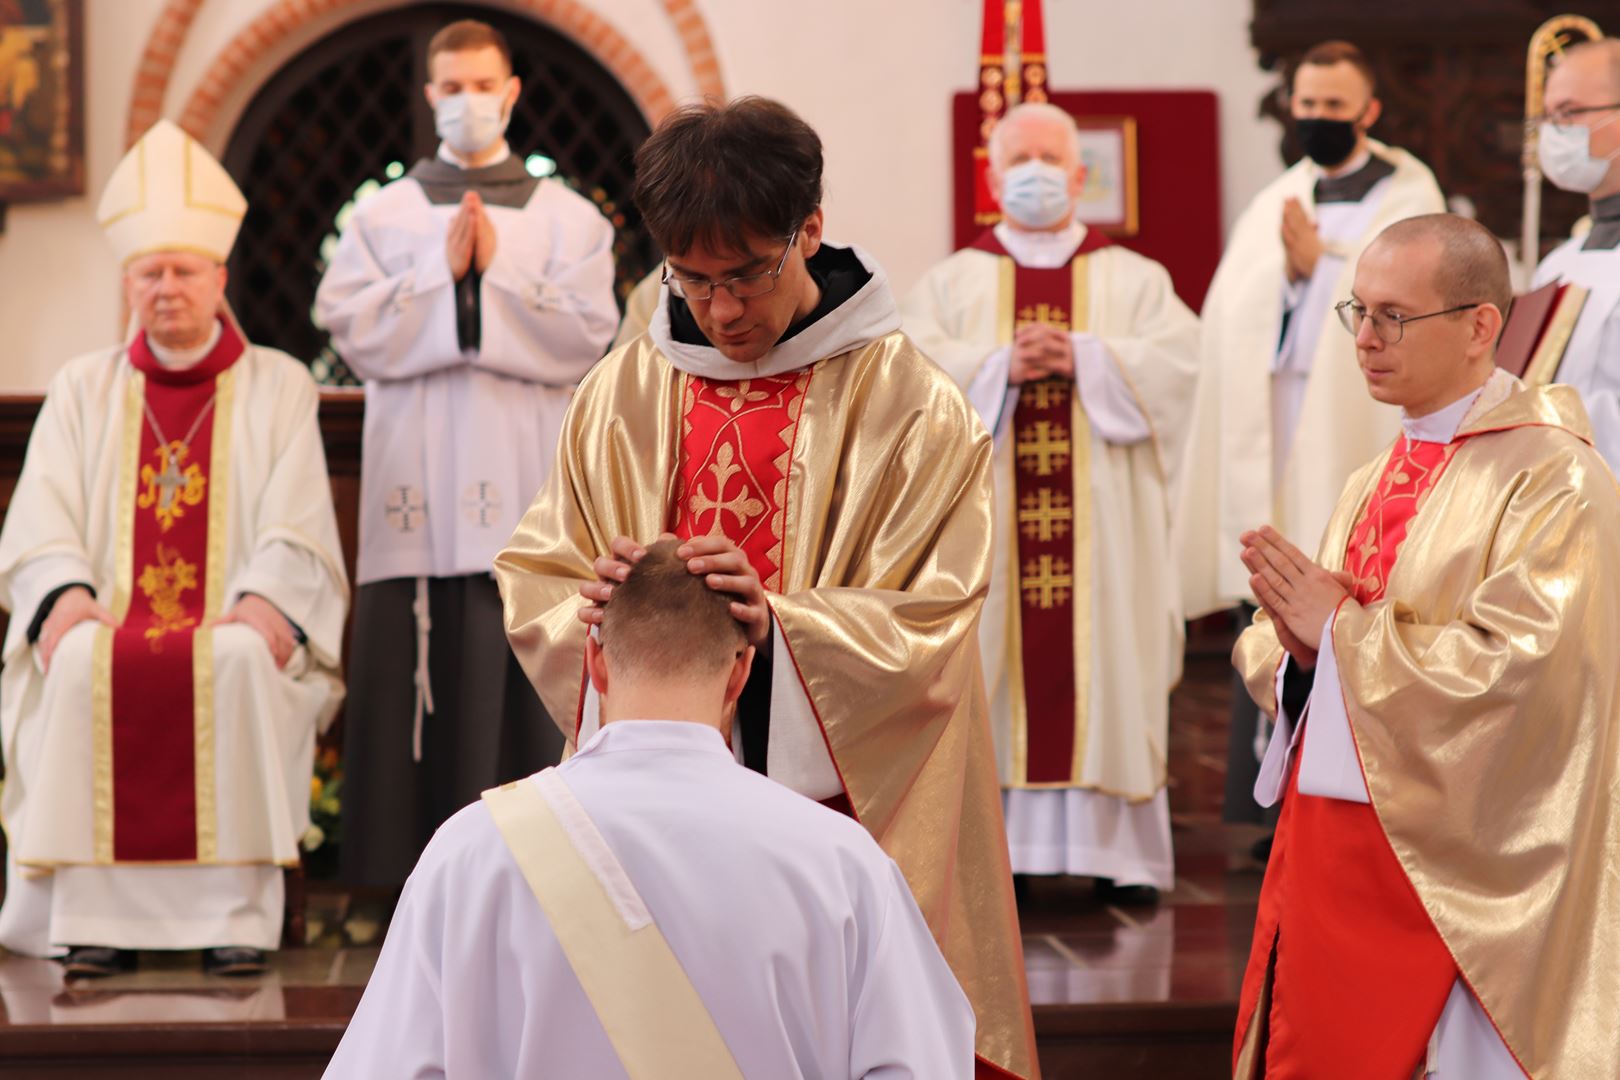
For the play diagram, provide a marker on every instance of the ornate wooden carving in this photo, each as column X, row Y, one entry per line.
column 1451, row 76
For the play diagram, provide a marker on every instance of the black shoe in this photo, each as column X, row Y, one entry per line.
column 233, row 960
column 1126, row 895
column 96, row 961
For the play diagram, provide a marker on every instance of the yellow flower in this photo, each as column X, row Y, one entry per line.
column 314, row 788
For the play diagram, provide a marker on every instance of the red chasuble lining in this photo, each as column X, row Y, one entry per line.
column 1050, row 506
column 1361, row 972
column 154, row 802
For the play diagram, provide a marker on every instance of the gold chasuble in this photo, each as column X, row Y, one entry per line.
column 1049, row 624
column 1477, row 667
column 858, row 484
column 153, row 689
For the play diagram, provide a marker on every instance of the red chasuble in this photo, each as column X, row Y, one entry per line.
column 1052, row 492
column 1361, row 974
column 154, row 674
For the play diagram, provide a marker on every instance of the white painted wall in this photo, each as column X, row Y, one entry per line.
column 873, row 76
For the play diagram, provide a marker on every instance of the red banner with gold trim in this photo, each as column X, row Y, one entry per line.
column 1012, row 69
column 159, row 698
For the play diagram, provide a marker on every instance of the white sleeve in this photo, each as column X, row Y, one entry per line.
column 909, row 1017
column 796, row 755
column 547, row 316
column 390, row 317
column 989, row 392
column 1330, row 765
column 1105, row 395
column 399, row 1027
column 1273, row 776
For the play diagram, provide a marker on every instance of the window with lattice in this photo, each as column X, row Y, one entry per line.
column 348, row 115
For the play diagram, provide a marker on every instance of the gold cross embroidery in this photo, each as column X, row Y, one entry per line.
column 740, row 395
column 1047, row 582
column 740, row 505
column 1045, row 515
column 1044, row 450
column 1043, row 315
column 1047, row 394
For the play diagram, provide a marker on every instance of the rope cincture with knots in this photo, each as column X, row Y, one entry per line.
column 424, row 684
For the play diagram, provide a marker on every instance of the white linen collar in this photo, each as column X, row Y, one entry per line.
column 448, row 156
column 1041, row 250
column 180, row 359
column 1442, row 425
column 657, row 735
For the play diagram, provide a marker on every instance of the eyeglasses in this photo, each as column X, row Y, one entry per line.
column 743, row 287
column 1565, row 117
column 1389, row 327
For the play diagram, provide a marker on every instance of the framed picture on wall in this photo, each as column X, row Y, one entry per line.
column 1108, row 201
column 41, row 99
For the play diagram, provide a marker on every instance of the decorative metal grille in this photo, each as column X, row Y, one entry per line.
column 348, row 114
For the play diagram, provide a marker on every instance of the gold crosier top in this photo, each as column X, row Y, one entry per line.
column 886, row 563
column 1483, row 698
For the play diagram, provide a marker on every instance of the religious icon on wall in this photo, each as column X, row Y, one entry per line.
column 1108, row 151
column 41, row 99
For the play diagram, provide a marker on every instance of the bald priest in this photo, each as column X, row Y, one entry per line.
column 170, row 562
column 1444, row 889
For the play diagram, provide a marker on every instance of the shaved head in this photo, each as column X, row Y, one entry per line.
column 1472, row 268
column 664, row 622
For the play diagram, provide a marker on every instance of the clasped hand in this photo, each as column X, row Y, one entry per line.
column 1040, row 351
column 724, row 565
column 1298, row 594
column 471, row 239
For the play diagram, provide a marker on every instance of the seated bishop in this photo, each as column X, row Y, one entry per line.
column 171, row 566
column 651, row 907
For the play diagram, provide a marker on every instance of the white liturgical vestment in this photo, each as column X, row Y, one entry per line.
column 798, row 934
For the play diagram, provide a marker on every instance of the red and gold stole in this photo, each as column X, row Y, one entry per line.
column 153, row 696
column 1361, row 973
column 1050, row 669
column 736, row 445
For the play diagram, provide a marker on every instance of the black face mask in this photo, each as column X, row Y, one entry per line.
column 1327, row 142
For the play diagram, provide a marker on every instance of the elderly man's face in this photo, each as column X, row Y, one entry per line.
column 176, row 296
column 1037, row 138
column 745, row 328
column 1584, row 80
column 1425, row 369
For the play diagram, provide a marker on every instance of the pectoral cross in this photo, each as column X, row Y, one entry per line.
column 170, row 481
column 1045, row 449
column 1047, row 582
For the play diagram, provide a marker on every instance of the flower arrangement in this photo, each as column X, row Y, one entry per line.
column 320, row 840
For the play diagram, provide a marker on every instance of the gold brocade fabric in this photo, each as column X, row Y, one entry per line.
column 1485, row 704
column 886, row 561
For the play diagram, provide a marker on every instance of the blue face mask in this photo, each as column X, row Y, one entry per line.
column 1035, row 194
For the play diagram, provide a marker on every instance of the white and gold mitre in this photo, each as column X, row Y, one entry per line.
column 169, row 194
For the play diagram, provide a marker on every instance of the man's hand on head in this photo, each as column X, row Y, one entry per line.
column 1302, row 245
column 1298, row 594
column 73, row 607
column 610, row 569
column 726, row 569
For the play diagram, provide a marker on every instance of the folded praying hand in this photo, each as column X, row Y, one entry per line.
column 1298, row 594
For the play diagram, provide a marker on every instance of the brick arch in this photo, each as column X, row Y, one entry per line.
column 286, row 17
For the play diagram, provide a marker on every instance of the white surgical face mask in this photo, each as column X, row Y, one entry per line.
column 1566, row 157
column 469, row 122
column 1035, row 194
